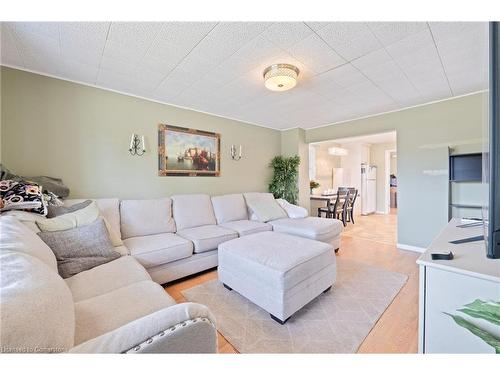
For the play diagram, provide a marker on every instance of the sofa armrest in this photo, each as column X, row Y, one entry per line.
column 182, row 328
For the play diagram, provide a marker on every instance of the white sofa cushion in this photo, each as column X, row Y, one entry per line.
column 264, row 206
column 106, row 278
column 231, row 207
column 146, row 216
column 315, row 228
column 37, row 309
column 246, row 227
column 98, row 315
column 192, row 210
column 18, row 237
column 158, row 249
column 207, row 237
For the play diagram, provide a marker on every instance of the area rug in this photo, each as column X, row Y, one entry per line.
column 335, row 322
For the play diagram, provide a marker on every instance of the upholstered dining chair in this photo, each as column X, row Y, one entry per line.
column 338, row 209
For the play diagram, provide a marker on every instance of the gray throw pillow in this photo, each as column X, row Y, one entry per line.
column 54, row 211
column 80, row 248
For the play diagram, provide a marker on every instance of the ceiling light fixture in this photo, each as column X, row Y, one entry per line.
column 281, row 77
column 338, row 151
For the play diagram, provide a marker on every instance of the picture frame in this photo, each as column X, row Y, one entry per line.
column 188, row 152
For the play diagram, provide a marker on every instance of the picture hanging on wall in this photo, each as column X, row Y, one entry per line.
column 187, row 152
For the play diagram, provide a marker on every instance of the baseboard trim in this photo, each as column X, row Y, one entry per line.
column 417, row 249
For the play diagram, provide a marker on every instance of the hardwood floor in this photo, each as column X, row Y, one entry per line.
column 372, row 240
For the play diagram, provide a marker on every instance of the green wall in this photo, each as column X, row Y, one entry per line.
column 423, row 135
column 81, row 134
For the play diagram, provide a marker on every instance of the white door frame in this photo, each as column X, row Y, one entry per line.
column 387, row 178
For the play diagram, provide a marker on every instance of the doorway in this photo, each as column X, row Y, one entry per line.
column 367, row 163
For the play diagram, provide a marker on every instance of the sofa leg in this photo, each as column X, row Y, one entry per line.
column 327, row 289
column 337, row 250
column 279, row 320
column 227, row 287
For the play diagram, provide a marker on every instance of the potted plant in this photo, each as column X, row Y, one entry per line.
column 285, row 179
column 313, row 185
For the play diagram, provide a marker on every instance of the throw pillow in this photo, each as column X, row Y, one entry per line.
column 22, row 195
column 80, row 249
column 54, row 211
column 83, row 216
column 293, row 211
column 265, row 207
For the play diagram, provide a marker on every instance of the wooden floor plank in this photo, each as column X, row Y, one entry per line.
column 372, row 240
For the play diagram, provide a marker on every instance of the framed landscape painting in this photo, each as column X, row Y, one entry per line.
column 187, row 152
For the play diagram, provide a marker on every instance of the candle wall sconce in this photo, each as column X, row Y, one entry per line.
column 137, row 145
column 234, row 155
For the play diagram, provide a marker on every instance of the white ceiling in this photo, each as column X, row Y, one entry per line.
column 348, row 69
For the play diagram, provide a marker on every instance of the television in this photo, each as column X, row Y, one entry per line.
column 466, row 167
column 491, row 158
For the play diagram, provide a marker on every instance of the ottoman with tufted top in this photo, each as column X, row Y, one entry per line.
column 279, row 272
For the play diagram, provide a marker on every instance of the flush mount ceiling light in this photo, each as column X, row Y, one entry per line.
column 338, row 151
column 281, row 77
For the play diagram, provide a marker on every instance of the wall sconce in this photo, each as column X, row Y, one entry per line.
column 235, row 156
column 137, row 145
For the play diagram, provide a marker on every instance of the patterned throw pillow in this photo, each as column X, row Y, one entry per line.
column 22, row 195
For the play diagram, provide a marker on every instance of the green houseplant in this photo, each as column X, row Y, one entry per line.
column 285, row 178
column 313, row 185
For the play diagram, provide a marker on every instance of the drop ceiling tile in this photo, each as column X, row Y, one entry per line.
column 228, row 37
column 349, row 39
column 9, row 53
column 379, row 67
column 316, row 54
column 344, row 76
column 36, row 48
column 46, row 29
column 390, row 32
column 286, row 34
column 89, row 37
column 119, row 66
column 463, row 48
column 417, row 56
column 137, row 35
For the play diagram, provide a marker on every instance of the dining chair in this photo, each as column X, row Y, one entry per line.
column 338, row 209
column 353, row 194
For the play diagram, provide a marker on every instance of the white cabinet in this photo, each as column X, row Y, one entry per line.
column 447, row 286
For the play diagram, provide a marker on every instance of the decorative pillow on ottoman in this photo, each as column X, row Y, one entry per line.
column 22, row 195
column 81, row 248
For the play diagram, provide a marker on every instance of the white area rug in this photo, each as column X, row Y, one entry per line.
column 336, row 322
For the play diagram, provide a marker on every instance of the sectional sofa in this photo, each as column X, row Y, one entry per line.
column 178, row 236
column 118, row 307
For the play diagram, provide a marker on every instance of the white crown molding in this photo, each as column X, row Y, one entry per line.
column 133, row 96
column 417, row 249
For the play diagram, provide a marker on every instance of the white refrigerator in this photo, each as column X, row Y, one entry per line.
column 368, row 189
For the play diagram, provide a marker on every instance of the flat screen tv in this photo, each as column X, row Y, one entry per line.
column 491, row 159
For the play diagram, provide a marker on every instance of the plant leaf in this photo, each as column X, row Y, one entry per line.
column 486, row 310
column 487, row 337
